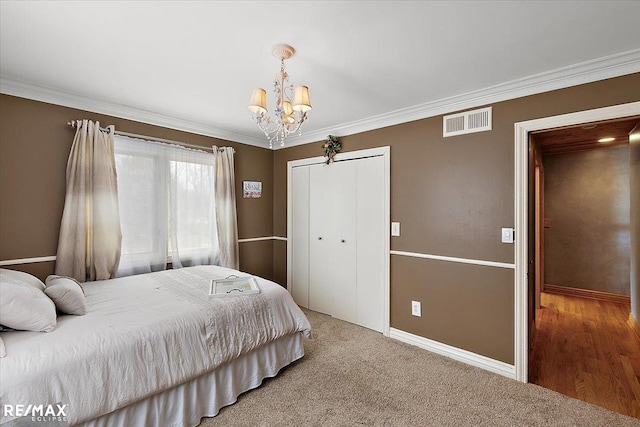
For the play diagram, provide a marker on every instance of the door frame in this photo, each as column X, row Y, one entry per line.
column 521, row 158
column 539, row 233
column 385, row 152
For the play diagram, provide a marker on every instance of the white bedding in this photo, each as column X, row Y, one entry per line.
column 141, row 335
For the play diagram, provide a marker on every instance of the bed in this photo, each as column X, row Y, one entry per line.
column 154, row 349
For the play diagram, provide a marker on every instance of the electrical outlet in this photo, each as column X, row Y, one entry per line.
column 416, row 308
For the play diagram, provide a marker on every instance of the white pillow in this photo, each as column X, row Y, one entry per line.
column 3, row 351
column 67, row 294
column 23, row 304
column 22, row 277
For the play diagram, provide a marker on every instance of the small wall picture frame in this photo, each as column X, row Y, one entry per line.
column 251, row 189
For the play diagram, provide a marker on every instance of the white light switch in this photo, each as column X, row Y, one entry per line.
column 507, row 235
column 395, row 228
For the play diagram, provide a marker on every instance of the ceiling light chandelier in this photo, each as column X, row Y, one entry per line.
column 290, row 114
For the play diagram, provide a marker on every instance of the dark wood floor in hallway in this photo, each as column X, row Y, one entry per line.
column 585, row 349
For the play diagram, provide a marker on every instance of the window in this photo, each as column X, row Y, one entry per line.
column 166, row 204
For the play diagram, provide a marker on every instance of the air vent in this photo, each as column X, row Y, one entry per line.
column 467, row 122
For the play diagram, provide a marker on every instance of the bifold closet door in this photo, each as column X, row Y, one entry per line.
column 371, row 234
column 320, row 231
column 332, row 239
column 300, row 235
column 345, row 242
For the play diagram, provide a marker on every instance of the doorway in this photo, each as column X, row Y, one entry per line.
column 582, row 346
column 522, row 131
column 586, row 212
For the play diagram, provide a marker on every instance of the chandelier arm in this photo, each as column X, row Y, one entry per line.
column 299, row 123
column 264, row 123
column 289, row 95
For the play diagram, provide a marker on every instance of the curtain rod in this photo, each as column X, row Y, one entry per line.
column 74, row 123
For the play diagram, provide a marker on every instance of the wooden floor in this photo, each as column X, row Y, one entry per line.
column 585, row 349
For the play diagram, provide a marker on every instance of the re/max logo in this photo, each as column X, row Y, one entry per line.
column 57, row 410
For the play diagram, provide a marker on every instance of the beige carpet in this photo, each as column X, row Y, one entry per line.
column 353, row 376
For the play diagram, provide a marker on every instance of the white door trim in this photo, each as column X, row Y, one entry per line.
column 522, row 130
column 351, row 155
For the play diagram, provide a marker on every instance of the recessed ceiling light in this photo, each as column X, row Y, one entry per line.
column 606, row 139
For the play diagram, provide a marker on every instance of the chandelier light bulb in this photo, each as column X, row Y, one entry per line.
column 287, row 113
column 258, row 103
column 301, row 100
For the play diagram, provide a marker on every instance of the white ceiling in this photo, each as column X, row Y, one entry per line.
column 193, row 65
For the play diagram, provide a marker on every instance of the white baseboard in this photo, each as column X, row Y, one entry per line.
column 455, row 353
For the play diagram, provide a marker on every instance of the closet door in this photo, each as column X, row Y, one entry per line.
column 320, row 239
column 371, row 234
column 344, row 241
column 332, row 239
column 300, row 235
column 339, row 238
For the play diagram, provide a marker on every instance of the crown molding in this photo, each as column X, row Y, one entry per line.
column 585, row 72
column 616, row 65
column 66, row 99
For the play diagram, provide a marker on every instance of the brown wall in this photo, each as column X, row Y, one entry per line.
column 634, row 183
column 463, row 305
column 587, row 202
column 452, row 196
column 34, row 145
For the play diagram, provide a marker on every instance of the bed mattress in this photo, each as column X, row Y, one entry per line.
column 142, row 335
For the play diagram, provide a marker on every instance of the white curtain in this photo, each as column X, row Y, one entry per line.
column 90, row 237
column 169, row 206
column 142, row 183
column 193, row 231
column 225, row 193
